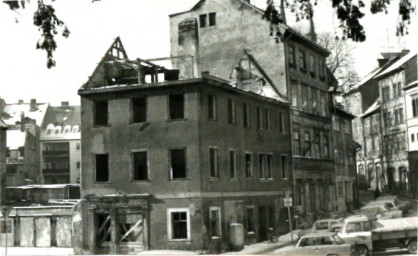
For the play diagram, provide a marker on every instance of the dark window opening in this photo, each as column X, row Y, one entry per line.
column 281, row 123
column 215, row 223
column 178, row 163
column 212, row 107
column 140, row 166
column 248, row 165
column 202, row 20
column 179, row 225
column 212, row 19
column 284, row 167
column 250, row 220
column 246, row 112
column 102, row 168
column 213, row 155
column 176, row 102
column 232, row 164
column 231, row 111
column 292, row 55
column 139, row 110
column 100, row 113
column 271, row 219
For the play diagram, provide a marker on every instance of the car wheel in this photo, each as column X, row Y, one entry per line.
column 412, row 247
column 362, row 250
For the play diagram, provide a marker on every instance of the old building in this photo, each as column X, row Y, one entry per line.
column 3, row 128
column 171, row 163
column 60, row 145
column 23, row 156
column 359, row 100
column 411, row 105
column 379, row 103
column 212, row 36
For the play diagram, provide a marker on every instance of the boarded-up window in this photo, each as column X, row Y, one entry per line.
column 103, row 228
column 102, row 167
column 140, row 165
column 176, row 106
column 178, row 163
column 100, row 113
column 139, row 110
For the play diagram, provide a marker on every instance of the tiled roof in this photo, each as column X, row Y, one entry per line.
column 397, row 64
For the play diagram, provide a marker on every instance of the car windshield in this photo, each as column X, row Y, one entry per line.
column 337, row 239
column 321, row 225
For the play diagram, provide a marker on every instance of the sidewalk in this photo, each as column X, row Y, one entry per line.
column 49, row 251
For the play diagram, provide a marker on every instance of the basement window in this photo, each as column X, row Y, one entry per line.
column 212, row 19
column 102, row 167
column 140, row 167
column 176, row 106
column 100, row 109
column 139, row 110
column 178, row 163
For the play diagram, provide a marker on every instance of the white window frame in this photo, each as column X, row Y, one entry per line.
column 215, row 208
column 169, row 224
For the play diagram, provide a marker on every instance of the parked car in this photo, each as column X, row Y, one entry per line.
column 381, row 211
column 325, row 243
column 336, row 227
column 404, row 206
column 323, row 225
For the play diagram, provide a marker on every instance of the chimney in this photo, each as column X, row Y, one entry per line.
column 20, row 102
column 188, row 41
column 22, row 121
column 33, row 105
column 65, row 104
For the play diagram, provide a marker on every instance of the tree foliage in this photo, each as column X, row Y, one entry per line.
column 340, row 61
column 349, row 13
column 48, row 24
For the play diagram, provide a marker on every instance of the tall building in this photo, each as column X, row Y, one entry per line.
column 60, row 145
column 212, row 36
column 171, row 163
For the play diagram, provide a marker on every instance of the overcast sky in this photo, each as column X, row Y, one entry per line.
column 144, row 29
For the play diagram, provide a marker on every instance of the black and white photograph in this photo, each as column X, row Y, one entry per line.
column 193, row 127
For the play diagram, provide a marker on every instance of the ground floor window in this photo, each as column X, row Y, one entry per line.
column 250, row 219
column 179, row 224
column 130, row 227
column 215, row 221
column 103, row 228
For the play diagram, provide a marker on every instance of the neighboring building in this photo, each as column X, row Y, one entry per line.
column 217, row 33
column 411, row 105
column 172, row 164
column 394, row 130
column 362, row 100
column 23, row 156
column 60, row 145
column 3, row 173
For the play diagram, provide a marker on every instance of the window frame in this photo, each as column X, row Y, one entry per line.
column 292, row 59
column 212, row 19
column 185, row 164
column 284, row 166
column 203, row 20
column 251, row 172
column 170, row 224
column 95, row 168
column 169, row 107
column 218, row 209
column 253, row 230
column 246, row 115
column 235, row 164
column 212, row 108
column 133, row 165
column 133, row 111
column 216, row 164
column 95, row 113
column 232, row 111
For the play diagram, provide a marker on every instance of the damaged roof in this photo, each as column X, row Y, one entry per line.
column 397, row 64
column 15, row 139
column 12, row 112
